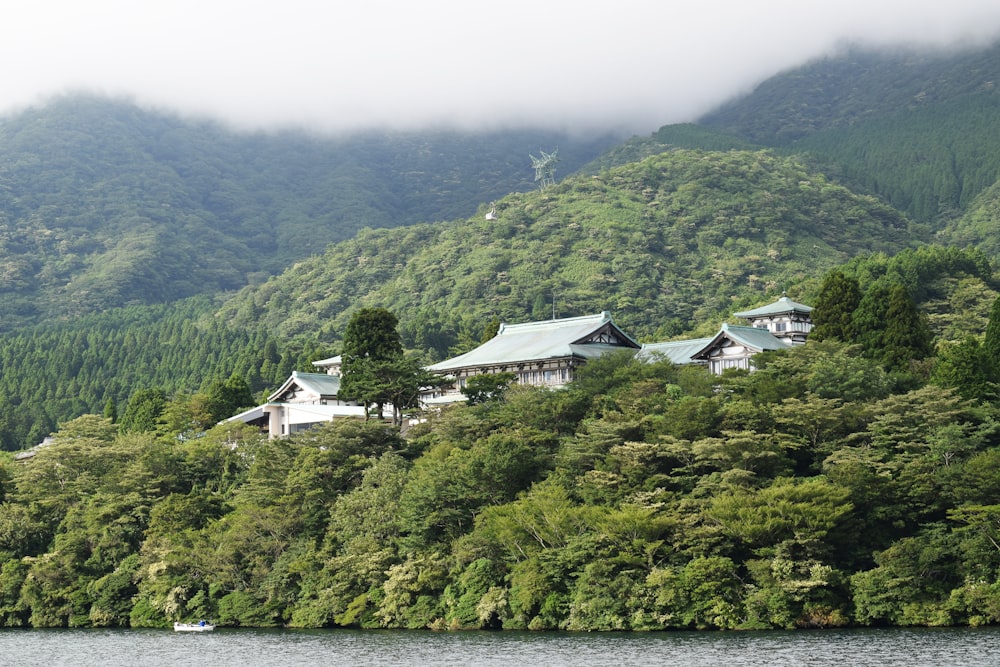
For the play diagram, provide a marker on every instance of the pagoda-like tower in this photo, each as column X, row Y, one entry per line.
column 785, row 319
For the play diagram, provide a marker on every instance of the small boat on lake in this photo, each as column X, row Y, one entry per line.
column 200, row 626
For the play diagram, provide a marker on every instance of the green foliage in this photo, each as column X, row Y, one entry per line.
column 704, row 232
column 805, row 494
column 227, row 398
column 109, row 205
column 833, row 311
column 828, row 487
column 905, row 124
column 143, row 411
column 487, row 387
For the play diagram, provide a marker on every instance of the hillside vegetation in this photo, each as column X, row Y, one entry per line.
column 912, row 127
column 849, row 481
column 667, row 244
column 103, row 204
column 671, row 244
column 818, row 491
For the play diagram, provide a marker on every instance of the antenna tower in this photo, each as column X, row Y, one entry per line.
column 545, row 167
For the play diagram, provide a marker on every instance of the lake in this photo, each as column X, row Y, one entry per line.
column 277, row 648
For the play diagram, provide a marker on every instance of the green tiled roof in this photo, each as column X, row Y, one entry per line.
column 676, row 351
column 782, row 305
column 319, row 384
column 749, row 337
column 538, row 341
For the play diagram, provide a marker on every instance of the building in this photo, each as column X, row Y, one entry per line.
column 541, row 354
column 784, row 319
column 304, row 400
column 776, row 326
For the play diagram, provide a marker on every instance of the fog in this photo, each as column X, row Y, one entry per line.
column 627, row 65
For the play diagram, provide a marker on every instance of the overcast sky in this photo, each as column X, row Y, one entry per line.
column 341, row 64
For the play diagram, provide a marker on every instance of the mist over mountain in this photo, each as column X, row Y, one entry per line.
column 103, row 204
column 912, row 126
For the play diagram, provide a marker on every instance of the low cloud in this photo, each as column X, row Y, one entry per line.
column 631, row 64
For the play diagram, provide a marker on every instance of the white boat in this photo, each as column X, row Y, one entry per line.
column 200, row 626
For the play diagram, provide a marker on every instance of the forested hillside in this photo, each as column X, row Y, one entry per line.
column 979, row 226
column 54, row 373
column 104, row 204
column 818, row 491
column 912, row 127
column 671, row 243
column 849, row 481
column 846, row 89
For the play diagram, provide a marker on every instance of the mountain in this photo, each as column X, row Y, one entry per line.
column 849, row 88
column 106, row 208
column 913, row 127
column 675, row 241
column 104, row 204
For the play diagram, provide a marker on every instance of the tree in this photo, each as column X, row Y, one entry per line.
column 906, row 336
column 869, row 318
column 227, row 398
column 966, row 367
column 375, row 372
column 402, row 382
column 833, row 314
column 111, row 410
column 371, row 333
column 487, row 387
column 370, row 340
column 991, row 341
column 143, row 409
column 491, row 329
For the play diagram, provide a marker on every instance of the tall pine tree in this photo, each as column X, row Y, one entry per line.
column 372, row 348
column 906, row 336
column 833, row 312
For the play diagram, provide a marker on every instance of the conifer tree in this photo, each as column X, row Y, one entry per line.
column 372, row 346
column 991, row 342
column 868, row 323
column 111, row 410
column 833, row 313
column 906, row 335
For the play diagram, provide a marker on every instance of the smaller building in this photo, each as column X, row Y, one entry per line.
column 776, row 326
column 304, row 400
column 784, row 319
column 734, row 346
column 330, row 366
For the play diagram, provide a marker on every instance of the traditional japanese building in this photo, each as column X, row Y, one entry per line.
column 541, row 354
column 776, row 326
column 734, row 346
column 784, row 319
column 304, row 400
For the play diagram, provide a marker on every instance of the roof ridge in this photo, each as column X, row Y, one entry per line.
column 603, row 316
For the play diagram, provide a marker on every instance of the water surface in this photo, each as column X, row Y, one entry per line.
column 280, row 648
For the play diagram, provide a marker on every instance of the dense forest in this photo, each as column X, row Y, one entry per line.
column 158, row 274
column 905, row 125
column 849, row 481
column 104, row 204
column 675, row 242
